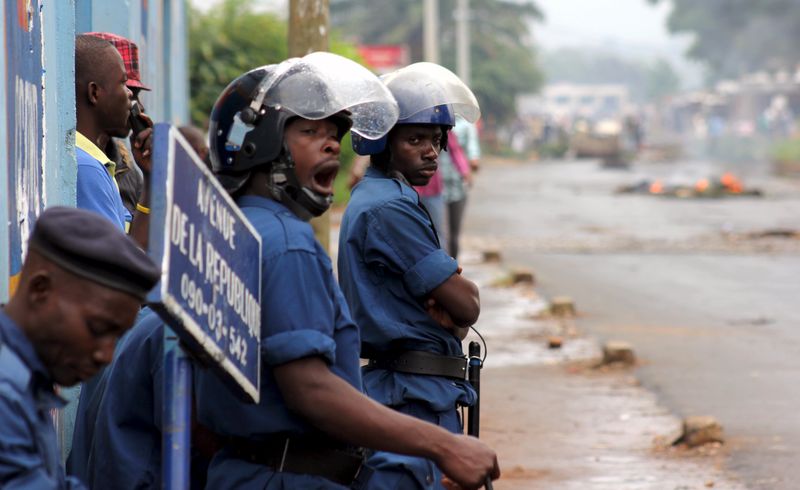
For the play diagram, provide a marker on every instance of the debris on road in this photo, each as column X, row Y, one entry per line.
column 712, row 187
column 775, row 233
column 555, row 342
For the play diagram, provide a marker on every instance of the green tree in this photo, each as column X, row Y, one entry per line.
column 230, row 39
column 503, row 57
column 225, row 42
column 733, row 37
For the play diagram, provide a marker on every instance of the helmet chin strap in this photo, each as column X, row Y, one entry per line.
column 285, row 188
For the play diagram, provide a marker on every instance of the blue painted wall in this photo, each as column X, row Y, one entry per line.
column 23, row 124
column 5, row 245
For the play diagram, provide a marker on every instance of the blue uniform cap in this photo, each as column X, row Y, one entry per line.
column 90, row 246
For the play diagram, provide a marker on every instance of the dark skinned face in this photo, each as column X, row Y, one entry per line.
column 134, row 97
column 314, row 146
column 113, row 97
column 414, row 149
column 74, row 324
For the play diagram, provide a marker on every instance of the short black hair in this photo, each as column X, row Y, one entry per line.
column 89, row 51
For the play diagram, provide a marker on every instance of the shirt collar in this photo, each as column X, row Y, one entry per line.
column 12, row 336
column 373, row 172
column 86, row 145
column 251, row 200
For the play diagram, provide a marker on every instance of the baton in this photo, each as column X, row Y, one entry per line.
column 474, row 376
column 474, row 413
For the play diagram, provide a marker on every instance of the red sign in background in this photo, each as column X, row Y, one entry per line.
column 384, row 58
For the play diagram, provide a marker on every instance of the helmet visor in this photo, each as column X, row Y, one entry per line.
column 426, row 85
column 322, row 84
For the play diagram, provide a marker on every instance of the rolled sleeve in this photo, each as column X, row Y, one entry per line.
column 298, row 314
column 290, row 346
column 429, row 273
column 400, row 236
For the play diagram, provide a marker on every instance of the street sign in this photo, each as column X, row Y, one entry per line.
column 210, row 256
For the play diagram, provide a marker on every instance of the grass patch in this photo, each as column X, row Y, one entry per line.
column 341, row 193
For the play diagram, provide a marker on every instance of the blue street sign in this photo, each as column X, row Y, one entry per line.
column 210, row 256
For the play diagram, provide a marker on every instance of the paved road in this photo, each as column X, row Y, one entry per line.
column 712, row 312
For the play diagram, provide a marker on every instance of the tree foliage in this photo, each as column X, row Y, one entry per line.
column 225, row 42
column 230, row 39
column 234, row 37
column 502, row 53
column 733, row 37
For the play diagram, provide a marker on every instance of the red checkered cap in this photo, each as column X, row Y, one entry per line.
column 130, row 56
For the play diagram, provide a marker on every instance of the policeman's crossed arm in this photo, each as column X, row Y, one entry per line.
column 459, row 298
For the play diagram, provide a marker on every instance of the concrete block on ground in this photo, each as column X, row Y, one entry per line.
column 513, row 277
column 522, row 276
column 618, row 352
column 699, row 430
column 492, row 255
column 562, row 307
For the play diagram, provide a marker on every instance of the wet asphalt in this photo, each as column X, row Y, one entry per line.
column 711, row 309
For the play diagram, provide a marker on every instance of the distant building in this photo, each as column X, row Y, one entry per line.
column 572, row 101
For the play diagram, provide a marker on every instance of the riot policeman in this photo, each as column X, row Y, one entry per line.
column 274, row 136
column 406, row 293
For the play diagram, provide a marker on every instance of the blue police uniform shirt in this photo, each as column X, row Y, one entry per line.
column 117, row 439
column 96, row 189
column 303, row 315
column 389, row 261
column 29, row 454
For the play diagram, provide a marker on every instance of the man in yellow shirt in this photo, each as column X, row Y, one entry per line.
column 103, row 103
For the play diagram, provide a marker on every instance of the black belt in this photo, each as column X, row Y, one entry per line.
column 303, row 455
column 421, row 362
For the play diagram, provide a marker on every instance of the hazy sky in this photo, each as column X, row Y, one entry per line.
column 632, row 28
column 603, row 23
column 580, row 22
column 629, row 27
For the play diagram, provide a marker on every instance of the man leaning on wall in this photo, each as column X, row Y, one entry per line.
column 103, row 105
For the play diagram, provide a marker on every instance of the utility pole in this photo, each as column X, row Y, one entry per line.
column 463, row 67
column 308, row 32
column 430, row 28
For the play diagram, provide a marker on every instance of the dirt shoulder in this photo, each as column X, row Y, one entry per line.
column 561, row 428
column 558, row 422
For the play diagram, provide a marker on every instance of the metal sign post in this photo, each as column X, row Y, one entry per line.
column 177, row 415
column 210, row 289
